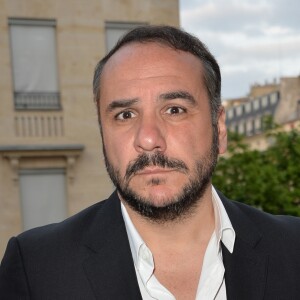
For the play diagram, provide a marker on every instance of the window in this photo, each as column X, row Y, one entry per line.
column 239, row 110
column 274, row 98
column 33, row 51
column 230, row 113
column 245, row 128
column 42, row 196
column 265, row 101
column 241, row 128
column 249, row 127
column 256, row 104
column 115, row 30
column 248, row 107
column 253, row 126
column 257, row 124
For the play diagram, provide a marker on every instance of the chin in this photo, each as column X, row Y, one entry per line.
column 159, row 196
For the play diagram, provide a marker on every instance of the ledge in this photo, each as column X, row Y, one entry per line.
column 41, row 150
column 24, row 148
column 15, row 153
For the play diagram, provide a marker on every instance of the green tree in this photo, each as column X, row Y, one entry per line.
column 270, row 179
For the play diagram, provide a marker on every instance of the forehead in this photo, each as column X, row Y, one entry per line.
column 153, row 64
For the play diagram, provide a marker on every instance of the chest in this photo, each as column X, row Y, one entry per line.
column 179, row 274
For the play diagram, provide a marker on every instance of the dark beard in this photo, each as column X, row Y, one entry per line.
column 179, row 206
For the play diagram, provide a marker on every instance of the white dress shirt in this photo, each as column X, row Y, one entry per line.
column 211, row 283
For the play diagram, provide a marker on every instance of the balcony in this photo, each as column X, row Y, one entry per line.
column 37, row 101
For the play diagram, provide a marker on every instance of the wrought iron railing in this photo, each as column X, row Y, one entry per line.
column 37, row 101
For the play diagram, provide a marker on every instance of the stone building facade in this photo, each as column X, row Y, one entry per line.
column 51, row 165
column 279, row 100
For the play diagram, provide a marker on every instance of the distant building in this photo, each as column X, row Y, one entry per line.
column 281, row 101
column 50, row 149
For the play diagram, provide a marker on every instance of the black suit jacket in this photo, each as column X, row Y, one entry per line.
column 88, row 257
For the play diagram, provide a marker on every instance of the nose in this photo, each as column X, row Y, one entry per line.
column 150, row 136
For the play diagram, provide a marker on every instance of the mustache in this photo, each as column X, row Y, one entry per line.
column 157, row 159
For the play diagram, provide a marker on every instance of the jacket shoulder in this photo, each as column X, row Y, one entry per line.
column 71, row 229
column 267, row 220
column 276, row 229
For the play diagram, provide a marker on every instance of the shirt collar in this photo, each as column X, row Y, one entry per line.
column 223, row 228
column 135, row 240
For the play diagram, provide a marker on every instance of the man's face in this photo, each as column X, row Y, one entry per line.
column 157, row 130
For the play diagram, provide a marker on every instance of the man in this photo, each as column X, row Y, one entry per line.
column 165, row 233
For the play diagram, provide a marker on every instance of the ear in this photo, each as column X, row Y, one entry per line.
column 222, row 131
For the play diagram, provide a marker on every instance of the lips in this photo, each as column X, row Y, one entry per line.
column 153, row 171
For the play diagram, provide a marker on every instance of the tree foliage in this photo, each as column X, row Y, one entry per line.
column 270, row 179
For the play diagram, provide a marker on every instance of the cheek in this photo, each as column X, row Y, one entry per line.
column 118, row 149
column 190, row 140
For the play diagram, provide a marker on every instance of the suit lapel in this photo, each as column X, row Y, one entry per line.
column 246, row 267
column 245, row 273
column 109, row 266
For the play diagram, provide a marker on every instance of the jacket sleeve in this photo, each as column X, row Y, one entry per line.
column 13, row 279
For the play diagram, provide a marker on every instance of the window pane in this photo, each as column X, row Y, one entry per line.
column 248, row 107
column 229, row 113
column 34, row 58
column 256, row 104
column 115, row 30
column 42, row 197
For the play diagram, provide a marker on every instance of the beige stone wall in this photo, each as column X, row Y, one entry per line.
column 80, row 41
column 286, row 114
column 290, row 95
column 261, row 90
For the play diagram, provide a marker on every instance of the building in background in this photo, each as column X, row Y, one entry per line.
column 51, row 164
column 279, row 100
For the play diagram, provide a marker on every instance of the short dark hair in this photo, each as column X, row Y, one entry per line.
column 176, row 39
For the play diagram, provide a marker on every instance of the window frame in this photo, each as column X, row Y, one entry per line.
column 35, row 100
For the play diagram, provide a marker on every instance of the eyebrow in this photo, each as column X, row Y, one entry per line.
column 178, row 95
column 122, row 103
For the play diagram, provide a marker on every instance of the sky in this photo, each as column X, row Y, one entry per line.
column 254, row 41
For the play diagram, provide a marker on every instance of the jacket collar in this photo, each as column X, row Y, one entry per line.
column 246, row 267
column 109, row 266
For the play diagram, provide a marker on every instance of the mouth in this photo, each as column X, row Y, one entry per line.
column 154, row 171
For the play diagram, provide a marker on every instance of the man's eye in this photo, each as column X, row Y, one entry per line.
column 175, row 110
column 124, row 115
